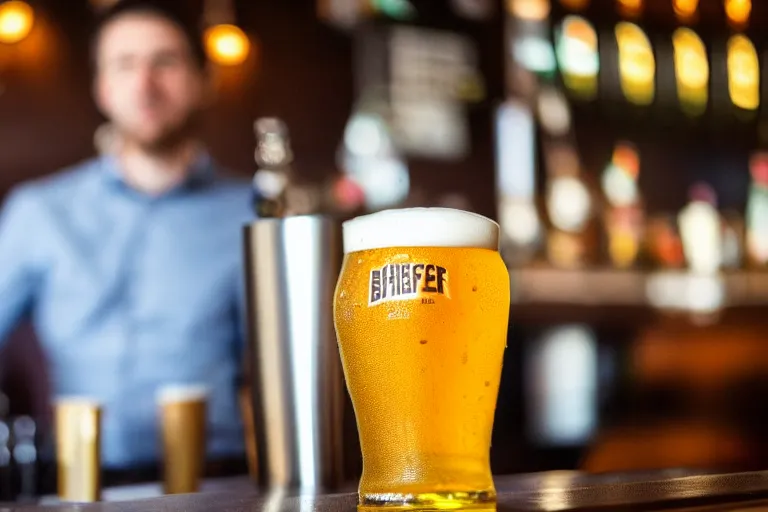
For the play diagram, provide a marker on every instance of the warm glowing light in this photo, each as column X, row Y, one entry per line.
column 691, row 61
column 630, row 8
column 532, row 48
column 562, row 373
column 738, row 11
column 625, row 228
column 691, row 70
column 620, row 178
column 626, row 157
column 757, row 210
column 569, row 203
column 532, row 10
column 637, row 65
column 575, row 5
column 577, row 55
column 535, row 53
column 16, row 20
column 580, row 31
column 743, row 73
column 685, row 9
column 227, row 45
column 701, row 218
column 554, row 113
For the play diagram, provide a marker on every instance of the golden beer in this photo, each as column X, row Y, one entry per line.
column 183, row 424
column 421, row 313
column 78, row 449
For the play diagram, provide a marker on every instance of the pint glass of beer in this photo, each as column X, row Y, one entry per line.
column 183, row 421
column 421, row 312
column 78, row 449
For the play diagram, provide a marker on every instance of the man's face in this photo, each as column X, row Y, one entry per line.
column 148, row 83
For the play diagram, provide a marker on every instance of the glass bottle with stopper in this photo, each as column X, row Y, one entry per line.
column 274, row 158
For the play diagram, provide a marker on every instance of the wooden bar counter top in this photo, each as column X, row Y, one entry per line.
column 553, row 491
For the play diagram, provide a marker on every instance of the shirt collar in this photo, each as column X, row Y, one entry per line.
column 201, row 172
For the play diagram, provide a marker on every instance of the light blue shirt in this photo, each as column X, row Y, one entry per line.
column 129, row 293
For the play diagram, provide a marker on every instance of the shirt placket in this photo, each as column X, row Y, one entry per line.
column 133, row 285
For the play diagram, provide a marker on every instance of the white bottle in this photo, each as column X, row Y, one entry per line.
column 701, row 231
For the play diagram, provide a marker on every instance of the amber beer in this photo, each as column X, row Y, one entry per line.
column 183, row 421
column 78, row 449
column 421, row 312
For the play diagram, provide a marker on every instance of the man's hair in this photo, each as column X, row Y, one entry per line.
column 155, row 8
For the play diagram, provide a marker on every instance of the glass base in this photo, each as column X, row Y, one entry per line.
column 474, row 500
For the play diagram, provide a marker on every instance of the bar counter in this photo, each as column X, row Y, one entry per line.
column 553, row 491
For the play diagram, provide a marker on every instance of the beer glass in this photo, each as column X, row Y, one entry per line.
column 183, row 421
column 78, row 449
column 421, row 312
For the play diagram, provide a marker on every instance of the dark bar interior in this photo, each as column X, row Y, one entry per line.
column 601, row 135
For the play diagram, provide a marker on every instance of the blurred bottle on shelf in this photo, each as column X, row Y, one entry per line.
column 274, row 159
column 276, row 191
column 757, row 211
column 663, row 244
column 623, row 217
column 343, row 196
column 518, row 215
column 570, row 207
column 701, row 230
column 733, row 240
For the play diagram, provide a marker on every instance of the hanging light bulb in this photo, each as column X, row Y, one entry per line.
column 691, row 70
column 685, row 9
column 227, row 45
column 16, row 20
column 225, row 42
column 577, row 55
column 738, row 11
column 531, row 10
column 637, row 65
column 743, row 73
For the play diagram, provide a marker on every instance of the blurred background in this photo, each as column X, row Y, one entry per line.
column 602, row 135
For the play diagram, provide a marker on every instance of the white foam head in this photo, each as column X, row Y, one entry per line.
column 182, row 393
column 76, row 400
column 420, row 227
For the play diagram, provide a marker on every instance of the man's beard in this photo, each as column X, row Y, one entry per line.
column 167, row 141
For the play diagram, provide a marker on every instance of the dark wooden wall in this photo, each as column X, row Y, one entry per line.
column 299, row 70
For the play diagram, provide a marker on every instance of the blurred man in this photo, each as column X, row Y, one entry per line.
column 130, row 263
